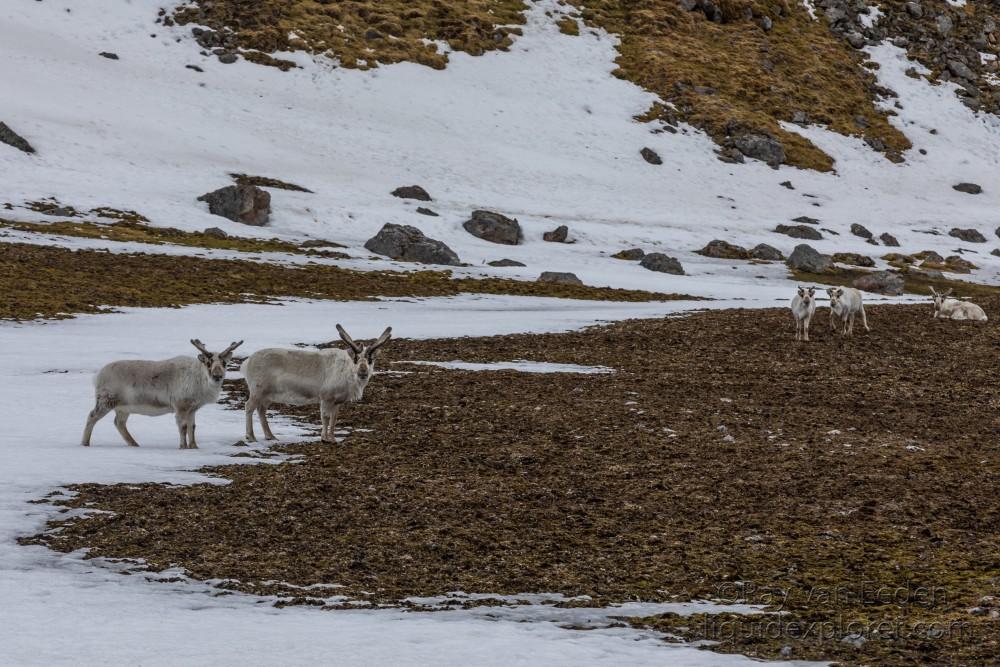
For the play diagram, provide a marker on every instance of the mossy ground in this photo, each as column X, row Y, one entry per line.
column 914, row 283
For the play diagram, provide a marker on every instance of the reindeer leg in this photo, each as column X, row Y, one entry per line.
column 101, row 408
column 121, row 417
column 805, row 329
column 331, row 419
column 190, row 431
column 182, row 420
column 864, row 318
column 262, row 415
column 250, row 407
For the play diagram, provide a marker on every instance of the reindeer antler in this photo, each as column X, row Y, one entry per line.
column 201, row 346
column 347, row 339
column 232, row 346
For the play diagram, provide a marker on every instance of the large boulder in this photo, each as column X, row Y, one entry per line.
column 970, row 235
column 862, row 231
column 808, row 259
column 411, row 192
column 881, row 282
column 799, row 232
column 724, row 250
column 12, row 138
column 409, row 244
column 766, row 252
column 657, row 261
column 761, row 147
column 559, row 278
column 494, row 227
column 240, row 203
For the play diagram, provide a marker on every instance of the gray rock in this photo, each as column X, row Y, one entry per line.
column 559, row 278
column 766, row 252
column 853, row 258
column 889, row 240
column 808, row 259
column 12, row 138
column 724, row 250
column 635, row 254
column 806, row 220
column 799, row 232
column 960, row 69
column 968, row 188
column 932, row 257
column 557, row 235
column 944, row 24
column 426, row 211
column 761, row 147
column 216, row 233
column 61, row 212
column 240, row 203
column 881, row 282
column 651, row 156
column 857, row 40
column 995, row 252
column 766, row 24
column 862, row 231
column 228, row 58
column 657, row 261
column 494, row 227
column 409, row 244
column 914, row 9
column 505, row 262
column 411, row 192
column 969, row 235
column 108, row 55
column 787, row 184
column 800, row 117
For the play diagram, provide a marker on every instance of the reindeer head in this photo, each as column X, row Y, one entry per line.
column 364, row 356
column 836, row 294
column 215, row 364
column 807, row 294
column 939, row 299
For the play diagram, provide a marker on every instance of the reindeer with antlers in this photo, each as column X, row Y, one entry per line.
column 329, row 378
column 180, row 385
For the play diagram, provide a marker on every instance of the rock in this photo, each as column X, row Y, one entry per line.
column 766, row 24
column 724, row 250
column 787, row 184
column 240, row 203
column 108, row 55
column 61, row 212
column 944, row 24
column 635, row 254
column 881, row 282
column 853, row 258
column 931, row 257
column 932, row 274
column 409, row 244
column 12, row 138
column 426, row 211
column 766, row 252
column 960, row 69
column 217, row 233
column 959, row 265
column 730, row 155
column 968, row 188
column 494, row 227
column 657, row 261
column 857, row 40
column 995, row 252
column 914, row 9
column 761, row 147
column 969, row 235
column 799, row 232
column 651, row 156
column 889, row 240
column 318, row 243
column 808, row 259
column 557, row 235
column 862, row 231
column 228, row 58
column 559, row 278
column 411, row 192
column 806, row 219
column 505, row 262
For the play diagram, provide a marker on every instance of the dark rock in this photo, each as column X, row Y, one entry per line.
column 761, row 147
column 881, row 282
column 240, row 203
column 426, row 211
column 857, row 40
column 799, row 232
column 853, row 258
column 409, row 244
column 195, row 68
column 657, row 261
column 228, row 58
column 862, row 231
column 767, row 253
column 808, row 259
column 108, row 55
column 12, row 138
column 914, row 9
column 559, row 278
column 318, row 243
column 995, row 252
column 61, row 212
column 217, row 233
column 557, row 235
column 969, row 188
column 635, row 254
column 411, row 192
column 969, row 235
column 505, row 262
column 929, row 256
column 724, row 250
column 787, row 184
column 958, row 264
column 651, row 156
column 889, row 240
column 806, row 219
column 944, row 24
column 730, row 155
column 494, row 227
column 961, row 70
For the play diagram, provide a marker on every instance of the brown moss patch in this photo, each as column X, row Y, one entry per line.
column 41, row 281
column 266, row 182
column 719, row 452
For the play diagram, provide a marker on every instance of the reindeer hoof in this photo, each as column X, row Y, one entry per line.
column 270, row 437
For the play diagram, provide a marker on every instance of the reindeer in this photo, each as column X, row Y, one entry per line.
column 803, row 309
column 947, row 307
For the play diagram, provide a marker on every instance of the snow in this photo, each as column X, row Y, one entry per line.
column 870, row 18
column 520, row 365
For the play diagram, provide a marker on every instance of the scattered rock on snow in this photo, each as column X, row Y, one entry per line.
column 808, row 259
column 651, row 156
column 766, row 252
column 970, row 235
column 240, row 203
column 806, row 220
column 635, row 254
column 799, row 232
column 228, row 58
column 426, row 211
column 787, row 184
column 889, row 240
column 968, row 188
column 494, row 227
column 761, row 147
column 557, row 235
column 881, row 282
column 216, row 233
column 657, row 261
column 559, row 278
column 853, row 258
column 12, row 138
column 505, row 262
column 108, row 55
column 411, row 192
column 724, row 250
column 862, row 231
column 409, row 244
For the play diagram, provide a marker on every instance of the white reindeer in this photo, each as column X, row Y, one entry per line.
column 307, row 377
column 803, row 309
column 180, row 385
column 845, row 305
column 947, row 307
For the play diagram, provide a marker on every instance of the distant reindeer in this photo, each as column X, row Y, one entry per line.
column 845, row 305
column 947, row 307
column 329, row 378
column 180, row 385
column 803, row 309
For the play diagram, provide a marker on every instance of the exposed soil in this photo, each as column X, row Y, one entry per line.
column 720, row 452
column 51, row 282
